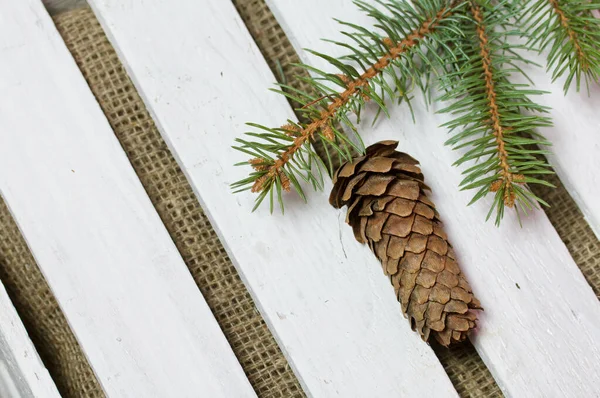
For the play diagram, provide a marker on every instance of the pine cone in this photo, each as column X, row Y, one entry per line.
column 388, row 209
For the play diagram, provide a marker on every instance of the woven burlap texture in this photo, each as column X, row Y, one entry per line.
column 172, row 196
column 574, row 231
column 39, row 311
column 194, row 237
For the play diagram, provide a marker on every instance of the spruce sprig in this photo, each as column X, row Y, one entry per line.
column 570, row 33
column 494, row 120
column 461, row 47
column 382, row 65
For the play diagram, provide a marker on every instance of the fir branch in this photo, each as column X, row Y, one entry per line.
column 488, row 112
column 353, row 87
column 282, row 155
column 571, row 35
column 464, row 45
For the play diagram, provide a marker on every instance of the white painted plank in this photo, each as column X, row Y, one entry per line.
column 576, row 141
column 575, row 138
column 322, row 294
column 117, row 275
column 22, row 373
column 540, row 333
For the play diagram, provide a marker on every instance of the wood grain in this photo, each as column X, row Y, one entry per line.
column 540, row 333
column 112, row 266
column 322, row 294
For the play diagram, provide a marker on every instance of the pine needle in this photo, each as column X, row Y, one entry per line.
column 569, row 33
column 461, row 47
column 394, row 50
column 487, row 109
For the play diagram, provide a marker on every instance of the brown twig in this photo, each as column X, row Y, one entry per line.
column 353, row 87
column 321, row 98
column 507, row 177
column 564, row 21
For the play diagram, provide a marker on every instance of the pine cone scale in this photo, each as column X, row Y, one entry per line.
column 378, row 164
column 399, row 226
column 400, row 207
column 389, row 210
column 406, row 189
column 374, row 184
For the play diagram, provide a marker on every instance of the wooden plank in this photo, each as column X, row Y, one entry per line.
column 22, row 373
column 117, row 275
column 575, row 138
column 322, row 294
column 540, row 333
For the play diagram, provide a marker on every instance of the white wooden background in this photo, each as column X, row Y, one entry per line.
column 109, row 260
column 125, row 291
column 322, row 294
column 554, row 349
column 539, row 333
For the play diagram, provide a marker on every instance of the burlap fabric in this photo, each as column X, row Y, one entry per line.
column 41, row 315
column 172, row 196
column 179, row 209
column 575, row 232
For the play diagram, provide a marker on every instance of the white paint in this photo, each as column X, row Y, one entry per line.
column 575, row 138
column 116, row 273
column 22, row 373
column 323, row 295
column 541, row 339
